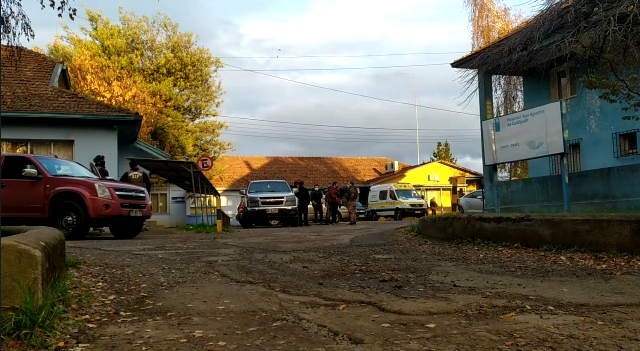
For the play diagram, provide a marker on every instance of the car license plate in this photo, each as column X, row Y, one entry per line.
column 272, row 210
column 136, row 213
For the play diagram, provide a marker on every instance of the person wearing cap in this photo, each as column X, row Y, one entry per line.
column 101, row 163
column 135, row 176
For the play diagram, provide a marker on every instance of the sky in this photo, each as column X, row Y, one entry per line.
column 337, row 111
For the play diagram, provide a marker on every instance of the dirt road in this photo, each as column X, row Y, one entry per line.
column 367, row 287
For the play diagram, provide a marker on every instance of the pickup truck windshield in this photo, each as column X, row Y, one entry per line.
column 269, row 187
column 408, row 194
column 57, row 167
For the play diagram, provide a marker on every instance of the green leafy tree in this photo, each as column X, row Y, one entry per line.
column 149, row 66
column 443, row 153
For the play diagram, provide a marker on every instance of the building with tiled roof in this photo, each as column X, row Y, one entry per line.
column 42, row 115
column 235, row 172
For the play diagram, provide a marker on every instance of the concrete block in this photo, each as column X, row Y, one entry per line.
column 31, row 260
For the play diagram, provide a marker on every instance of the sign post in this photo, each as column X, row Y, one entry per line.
column 525, row 135
column 204, row 163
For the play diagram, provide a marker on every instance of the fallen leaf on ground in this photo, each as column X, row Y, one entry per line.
column 342, row 307
column 430, row 326
column 510, row 315
column 385, row 325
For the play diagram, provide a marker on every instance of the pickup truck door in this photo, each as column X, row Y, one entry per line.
column 21, row 196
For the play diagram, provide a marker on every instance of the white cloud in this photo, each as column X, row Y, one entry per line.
column 407, row 22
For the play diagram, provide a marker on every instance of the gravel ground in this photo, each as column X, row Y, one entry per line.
column 367, row 287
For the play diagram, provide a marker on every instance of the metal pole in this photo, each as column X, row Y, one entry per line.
column 495, row 188
column 203, row 200
column 195, row 199
column 208, row 208
column 563, row 159
column 417, row 125
column 211, row 209
column 219, row 213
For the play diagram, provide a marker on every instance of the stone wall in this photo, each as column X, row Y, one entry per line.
column 31, row 261
column 604, row 233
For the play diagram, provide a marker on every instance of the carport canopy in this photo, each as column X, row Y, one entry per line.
column 184, row 174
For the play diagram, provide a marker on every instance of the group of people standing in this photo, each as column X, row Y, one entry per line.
column 325, row 203
column 134, row 175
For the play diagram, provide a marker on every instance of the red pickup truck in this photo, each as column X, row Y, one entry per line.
column 66, row 195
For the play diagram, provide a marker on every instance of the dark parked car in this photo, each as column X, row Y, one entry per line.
column 268, row 202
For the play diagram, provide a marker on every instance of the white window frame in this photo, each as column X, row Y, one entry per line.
column 29, row 141
column 158, row 191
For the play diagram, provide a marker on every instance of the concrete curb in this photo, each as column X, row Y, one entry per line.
column 31, row 261
column 596, row 233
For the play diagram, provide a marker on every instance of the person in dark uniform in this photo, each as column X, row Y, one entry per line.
column 316, row 200
column 101, row 163
column 135, row 176
column 304, row 199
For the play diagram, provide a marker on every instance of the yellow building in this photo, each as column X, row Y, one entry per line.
column 434, row 179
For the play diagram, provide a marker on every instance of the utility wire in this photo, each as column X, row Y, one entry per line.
column 353, row 133
column 346, row 127
column 385, row 136
column 347, row 140
column 350, row 93
column 333, row 69
column 344, row 56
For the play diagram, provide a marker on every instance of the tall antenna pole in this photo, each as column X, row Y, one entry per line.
column 417, row 124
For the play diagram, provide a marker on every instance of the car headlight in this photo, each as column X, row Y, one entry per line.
column 102, row 191
column 253, row 201
column 290, row 201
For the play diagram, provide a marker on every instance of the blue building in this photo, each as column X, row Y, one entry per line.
column 602, row 149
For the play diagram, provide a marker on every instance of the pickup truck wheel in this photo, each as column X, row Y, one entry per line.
column 398, row 215
column 126, row 229
column 374, row 216
column 71, row 219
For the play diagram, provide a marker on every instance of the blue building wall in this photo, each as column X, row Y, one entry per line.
column 589, row 119
column 613, row 189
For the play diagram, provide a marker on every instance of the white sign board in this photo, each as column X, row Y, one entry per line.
column 533, row 133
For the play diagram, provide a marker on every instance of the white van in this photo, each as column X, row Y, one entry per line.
column 398, row 200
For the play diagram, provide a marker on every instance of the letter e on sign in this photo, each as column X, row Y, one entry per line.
column 204, row 163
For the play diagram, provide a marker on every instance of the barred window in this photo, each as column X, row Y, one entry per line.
column 625, row 143
column 574, row 161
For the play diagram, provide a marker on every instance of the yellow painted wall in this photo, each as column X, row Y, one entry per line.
column 420, row 176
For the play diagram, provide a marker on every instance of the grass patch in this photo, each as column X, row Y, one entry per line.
column 483, row 242
column 560, row 248
column 36, row 324
column 414, row 228
column 73, row 262
column 204, row 228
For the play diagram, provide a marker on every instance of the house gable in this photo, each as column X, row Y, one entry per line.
column 419, row 175
column 36, row 83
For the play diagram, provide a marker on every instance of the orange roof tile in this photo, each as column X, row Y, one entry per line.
column 237, row 171
column 26, row 75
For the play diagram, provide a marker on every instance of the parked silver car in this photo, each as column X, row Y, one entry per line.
column 473, row 202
